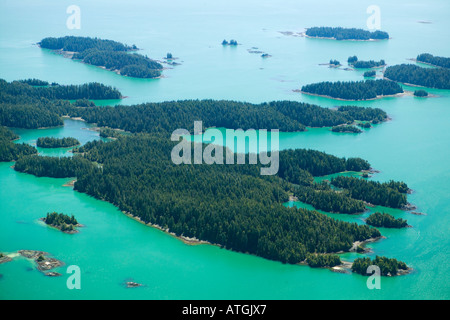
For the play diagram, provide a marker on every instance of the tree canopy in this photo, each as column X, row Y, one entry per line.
column 434, row 60
column 10, row 151
column 385, row 220
column 106, row 53
column 353, row 90
column 340, row 33
column 51, row 142
column 427, row 77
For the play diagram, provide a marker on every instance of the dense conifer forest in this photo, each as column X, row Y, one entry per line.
column 25, row 106
column 434, row 60
column 109, row 133
column 287, row 116
column 360, row 64
column 328, row 200
column 10, row 151
column 387, row 266
column 54, row 167
column 385, row 220
column 136, row 174
column 389, row 194
column 427, row 77
column 353, row 90
column 346, row 128
column 420, row 93
column 61, row 221
column 369, row 74
column 106, row 53
column 229, row 205
column 51, row 142
column 340, row 33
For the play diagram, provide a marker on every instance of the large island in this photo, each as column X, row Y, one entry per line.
column 239, row 209
column 108, row 54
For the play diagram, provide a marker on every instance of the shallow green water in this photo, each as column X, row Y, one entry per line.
column 112, row 248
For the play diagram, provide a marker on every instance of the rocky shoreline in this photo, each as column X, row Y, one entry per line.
column 4, row 258
column 360, row 246
column 185, row 239
column 43, row 262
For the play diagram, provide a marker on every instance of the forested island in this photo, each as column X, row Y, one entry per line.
column 420, row 93
column 109, row 54
column 51, row 142
column 388, row 267
column 334, row 63
column 232, row 42
column 346, row 129
column 360, row 64
column 433, row 60
column 353, row 90
column 62, row 222
column 339, row 33
column 438, row 78
column 369, row 74
column 385, row 220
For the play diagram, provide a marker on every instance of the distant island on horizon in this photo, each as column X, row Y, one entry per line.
column 340, row 33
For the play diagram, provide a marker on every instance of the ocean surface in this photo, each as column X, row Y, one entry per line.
column 113, row 248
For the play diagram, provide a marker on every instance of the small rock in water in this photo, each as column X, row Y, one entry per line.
column 131, row 284
column 53, row 274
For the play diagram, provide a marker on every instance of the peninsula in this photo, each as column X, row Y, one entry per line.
column 431, row 60
column 414, row 75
